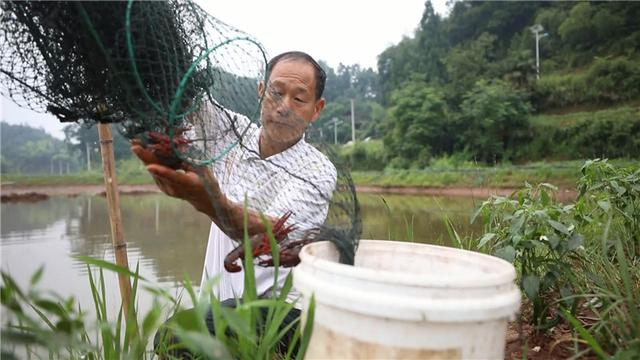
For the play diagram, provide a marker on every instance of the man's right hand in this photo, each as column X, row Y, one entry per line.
column 187, row 183
column 200, row 188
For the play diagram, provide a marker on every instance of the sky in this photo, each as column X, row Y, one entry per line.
column 336, row 31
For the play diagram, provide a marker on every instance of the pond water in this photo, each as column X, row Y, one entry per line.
column 167, row 237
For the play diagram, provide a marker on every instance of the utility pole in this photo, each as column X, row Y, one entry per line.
column 88, row 157
column 536, row 29
column 335, row 130
column 353, row 124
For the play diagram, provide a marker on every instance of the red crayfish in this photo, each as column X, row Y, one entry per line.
column 162, row 146
column 260, row 245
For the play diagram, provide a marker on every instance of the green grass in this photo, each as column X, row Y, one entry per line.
column 570, row 119
column 82, row 178
column 129, row 171
column 562, row 174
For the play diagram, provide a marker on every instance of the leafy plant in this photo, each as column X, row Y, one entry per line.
column 581, row 258
column 609, row 208
column 610, row 194
column 539, row 236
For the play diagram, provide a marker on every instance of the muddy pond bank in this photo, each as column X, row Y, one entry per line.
column 16, row 192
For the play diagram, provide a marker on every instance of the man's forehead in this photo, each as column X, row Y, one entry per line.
column 299, row 87
column 287, row 67
column 293, row 68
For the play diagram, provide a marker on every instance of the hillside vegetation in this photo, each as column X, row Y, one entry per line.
column 466, row 85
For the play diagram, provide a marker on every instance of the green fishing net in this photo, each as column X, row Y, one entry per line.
column 156, row 69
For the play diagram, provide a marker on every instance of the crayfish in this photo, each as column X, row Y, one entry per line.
column 344, row 240
column 260, row 246
column 162, row 146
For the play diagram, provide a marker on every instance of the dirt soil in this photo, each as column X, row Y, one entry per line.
column 23, row 197
column 474, row 192
column 552, row 345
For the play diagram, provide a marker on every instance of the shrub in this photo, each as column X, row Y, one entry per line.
column 609, row 283
column 609, row 133
column 367, row 155
column 454, row 161
column 606, row 137
column 606, row 81
column 614, row 80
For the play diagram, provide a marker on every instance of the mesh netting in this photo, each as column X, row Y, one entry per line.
column 158, row 69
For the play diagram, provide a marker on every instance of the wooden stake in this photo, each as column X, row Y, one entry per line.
column 113, row 202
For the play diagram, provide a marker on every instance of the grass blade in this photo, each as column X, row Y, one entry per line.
column 308, row 329
column 585, row 335
column 108, row 266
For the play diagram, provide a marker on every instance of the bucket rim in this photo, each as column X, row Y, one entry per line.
column 503, row 305
column 505, row 276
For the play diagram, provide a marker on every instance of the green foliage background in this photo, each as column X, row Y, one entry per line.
column 462, row 86
column 477, row 67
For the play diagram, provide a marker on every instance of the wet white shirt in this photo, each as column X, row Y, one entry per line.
column 300, row 179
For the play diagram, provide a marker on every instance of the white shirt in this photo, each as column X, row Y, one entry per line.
column 300, row 179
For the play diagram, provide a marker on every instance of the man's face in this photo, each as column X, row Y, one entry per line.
column 290, row 102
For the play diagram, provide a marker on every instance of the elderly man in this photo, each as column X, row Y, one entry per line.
column 274, row 168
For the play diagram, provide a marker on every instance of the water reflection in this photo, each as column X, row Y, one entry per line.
column 167, row 237
column 164, row 236
column 415, row 218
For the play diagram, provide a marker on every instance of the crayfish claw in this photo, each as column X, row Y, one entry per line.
column 280, row 223
column 260, row 246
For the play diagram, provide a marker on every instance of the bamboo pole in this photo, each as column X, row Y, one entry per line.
column 113, row 202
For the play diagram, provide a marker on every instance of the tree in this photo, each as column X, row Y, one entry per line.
column 78, row 137
column 469, row 19
column 396, row 64
column 417, row 125
column 349, row 82
column 423, row 54
column 468, row 63
column 578, row 31
column 432, row 43
column 29, row 150
column 495, row 118
column 331, row 90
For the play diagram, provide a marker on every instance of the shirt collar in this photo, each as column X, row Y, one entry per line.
column 252, row 149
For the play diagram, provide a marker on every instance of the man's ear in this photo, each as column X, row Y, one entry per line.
column 260, row 88
column 317, row 109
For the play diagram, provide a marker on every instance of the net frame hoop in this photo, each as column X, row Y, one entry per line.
column 180, row 93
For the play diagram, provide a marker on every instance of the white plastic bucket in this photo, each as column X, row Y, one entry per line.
column 406, row 301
